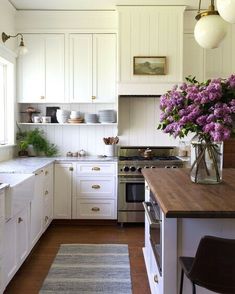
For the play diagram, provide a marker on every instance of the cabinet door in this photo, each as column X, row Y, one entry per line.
column 36, row 210
column 81, row 67
column 104, row 68
column 40, row 75
column 62, row 191
column 10, row 253
column 48, row 196
column 22, row 235
column 54, row 68
column 31, row 70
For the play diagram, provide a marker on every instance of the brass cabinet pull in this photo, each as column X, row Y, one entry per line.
column 95, row 209
column 46, row 172
column 20, row 220
column 155, row 278
column 95, row 186
column 42, row 97
column 46, row 192
column 93, row 97
column 71, row 168
column 96, row 168
column 46, row 218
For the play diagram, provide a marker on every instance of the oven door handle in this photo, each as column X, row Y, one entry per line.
column 155, row 224
column 131, row 181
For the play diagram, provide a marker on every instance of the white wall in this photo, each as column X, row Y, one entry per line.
column 7, row 25
column 7, row 22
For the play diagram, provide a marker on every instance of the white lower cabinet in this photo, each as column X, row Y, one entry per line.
column 36, row 210
column 63, row 190
column 16, row 243
column 94, row 191
column 41, row 213
column 48, row 193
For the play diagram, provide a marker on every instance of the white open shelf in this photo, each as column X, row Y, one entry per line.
column 68, row 124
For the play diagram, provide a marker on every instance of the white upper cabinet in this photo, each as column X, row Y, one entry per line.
column 41, row 72
column 81, row 67
column 93, row 68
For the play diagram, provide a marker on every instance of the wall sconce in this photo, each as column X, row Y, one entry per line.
column 210, row 28
column 226, row 9
column 22, row 50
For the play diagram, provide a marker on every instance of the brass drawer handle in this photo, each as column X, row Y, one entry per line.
column 42, row 97
column 95, row 209
column 93, row 97
column 46, row 192
column 20, row 220
column 71, row 169
column 96, row 168
column 155, row 278
column 95, row 186
column 46, row 172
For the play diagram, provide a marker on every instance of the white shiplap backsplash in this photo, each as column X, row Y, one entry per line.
column 138, row 119
column 75, row 137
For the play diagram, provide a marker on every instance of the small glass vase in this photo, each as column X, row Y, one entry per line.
column 208, row 164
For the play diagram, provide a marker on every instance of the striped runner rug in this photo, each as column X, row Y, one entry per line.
column 89, row 269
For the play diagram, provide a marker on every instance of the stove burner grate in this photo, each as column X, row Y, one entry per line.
column 140, row 158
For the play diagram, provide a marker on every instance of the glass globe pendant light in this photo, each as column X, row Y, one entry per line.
column 226, row 9
column 210, row 29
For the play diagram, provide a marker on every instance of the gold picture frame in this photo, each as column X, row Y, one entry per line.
column 149, row 65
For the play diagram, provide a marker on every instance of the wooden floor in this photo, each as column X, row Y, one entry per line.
column 29, row 278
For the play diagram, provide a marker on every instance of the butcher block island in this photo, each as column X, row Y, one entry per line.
column 178, row 213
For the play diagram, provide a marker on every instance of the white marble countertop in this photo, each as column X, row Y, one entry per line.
column 33, row 164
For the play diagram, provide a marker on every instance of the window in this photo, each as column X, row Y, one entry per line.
column 6, row 102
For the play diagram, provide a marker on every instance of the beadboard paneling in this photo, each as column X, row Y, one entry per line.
column 73, row 138
column 150, row 31
column 138, row 121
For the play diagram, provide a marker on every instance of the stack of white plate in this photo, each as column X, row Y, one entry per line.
column 91, row 118
column 107, row 116
column 62, row 115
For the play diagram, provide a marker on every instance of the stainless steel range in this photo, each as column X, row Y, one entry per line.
column 131, row 160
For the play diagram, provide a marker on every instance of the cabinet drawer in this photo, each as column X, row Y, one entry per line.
column 95, row 209
column 95, row 187
column 96, row 168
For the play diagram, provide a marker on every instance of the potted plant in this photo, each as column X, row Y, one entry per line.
column 37, row 140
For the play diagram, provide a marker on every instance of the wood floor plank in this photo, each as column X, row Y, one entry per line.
column 29, row 278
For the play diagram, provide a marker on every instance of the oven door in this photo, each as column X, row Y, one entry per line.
column 154, row 223
column 130, row 193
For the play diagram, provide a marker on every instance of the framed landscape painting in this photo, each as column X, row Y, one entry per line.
column 149, row 65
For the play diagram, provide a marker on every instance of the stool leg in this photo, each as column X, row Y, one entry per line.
column 181, row 281
column 194, row 288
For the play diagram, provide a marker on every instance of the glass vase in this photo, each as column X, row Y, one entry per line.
column 208, row 163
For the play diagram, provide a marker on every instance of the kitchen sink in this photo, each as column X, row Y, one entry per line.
column 19, row 193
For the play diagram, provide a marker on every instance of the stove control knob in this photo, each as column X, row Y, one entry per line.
column 132, row 168
column 153, row 166
column 139, row 169
column 126, row 168
column 146, row 166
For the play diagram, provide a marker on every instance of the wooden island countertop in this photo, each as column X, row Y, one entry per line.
column 178, row 197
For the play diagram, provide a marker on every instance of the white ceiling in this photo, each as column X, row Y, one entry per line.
column 95, row 4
